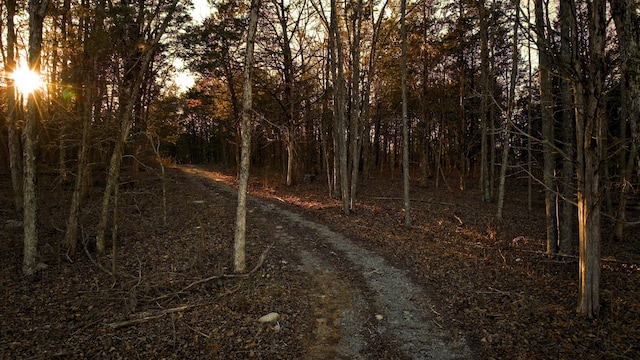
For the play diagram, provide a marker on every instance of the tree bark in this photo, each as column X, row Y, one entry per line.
column 339, row 107
column 71, row 234
column 356, row 104
column 405, row 121
column 510, row 106
column 485, row 163
column 239, row 257
column 37, row 11
column 546, row 101
column 590, row 125
column 15, row 158
column 568, row 210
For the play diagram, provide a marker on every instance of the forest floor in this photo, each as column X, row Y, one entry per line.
column 455, row 285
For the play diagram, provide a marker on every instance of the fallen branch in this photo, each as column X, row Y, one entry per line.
column 261, row 260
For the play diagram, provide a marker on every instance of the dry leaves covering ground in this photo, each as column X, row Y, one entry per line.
column 173, row 296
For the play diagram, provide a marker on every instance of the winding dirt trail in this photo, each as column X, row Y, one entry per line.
column 362, row 305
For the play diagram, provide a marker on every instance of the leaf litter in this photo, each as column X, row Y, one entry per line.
column 456, row 285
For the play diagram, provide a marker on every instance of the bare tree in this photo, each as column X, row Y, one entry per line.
column 486, row 169
column 567, row 209
column 239, row 261
column 510, row 109
column 546, row 100
column 590, row 127
column 339, row 115
column 405, row 125
column 356, row 105
column 37, row 12
column 15, row 160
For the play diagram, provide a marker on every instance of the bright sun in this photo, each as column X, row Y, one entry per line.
column 26, row 80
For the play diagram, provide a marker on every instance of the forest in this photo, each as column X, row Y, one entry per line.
column 513, row 123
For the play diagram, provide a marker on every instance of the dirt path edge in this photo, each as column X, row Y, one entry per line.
column 402, row 310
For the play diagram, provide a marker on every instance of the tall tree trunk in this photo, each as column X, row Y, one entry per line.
column 15, row 158
column 568, row 211
column 366, row 104
column 37, row 11
column 529, row 118
column 546, row 100
column 290, row 102
column 510, row 106
column 239, row 252
column 590, row 127
column 325, row 128
column 339, row 107
column 71, row 234
column 356, row 104
column 405, row 121
column 89, row 112
column 485, row 163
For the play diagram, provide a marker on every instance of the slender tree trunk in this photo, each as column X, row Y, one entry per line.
column 590, row 133
column 546, row 100
column 239, row 257
column 356, row 104
column 37, row 11
column 339, row 108
column 510, row 106
column 568, row 210
column 114, row 233
column 485, row 168
column 325, row 129
column 366, row 105
column 71, row 234
column 112, row 180
column 405, row 122
column 15, row 158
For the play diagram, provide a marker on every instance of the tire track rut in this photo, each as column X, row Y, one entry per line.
column 359, row 298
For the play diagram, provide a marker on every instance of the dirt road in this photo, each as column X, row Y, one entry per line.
column 362, row 305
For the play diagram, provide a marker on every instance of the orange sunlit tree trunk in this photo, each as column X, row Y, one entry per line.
column 590, row 133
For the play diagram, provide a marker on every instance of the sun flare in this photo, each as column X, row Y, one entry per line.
column 26, row 80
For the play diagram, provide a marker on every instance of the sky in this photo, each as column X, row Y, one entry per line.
column 183, row 77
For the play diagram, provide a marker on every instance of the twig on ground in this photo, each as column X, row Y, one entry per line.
column 195, row 330
column 260, row 263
